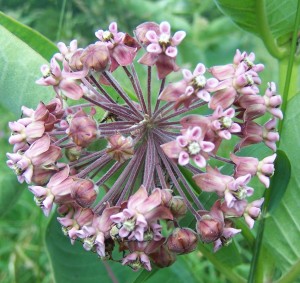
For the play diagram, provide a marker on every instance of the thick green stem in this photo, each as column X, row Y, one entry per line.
column 289, row 70
column 265, row 32
column 288, row 83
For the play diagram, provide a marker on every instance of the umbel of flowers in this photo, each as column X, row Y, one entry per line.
column 118, row 182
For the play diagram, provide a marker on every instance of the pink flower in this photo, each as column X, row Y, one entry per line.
column 223, row 124
column 250, row 165
column 225, row 186
column 239, row 78
column 252, row 212
column 40, row 155
column 140, row 212
column 194, row 86
column 161, row 46
column 95, row 234
column 122, row 47
column 189, row 146
column 58, row 190
column 64, row 82
column 74, row 222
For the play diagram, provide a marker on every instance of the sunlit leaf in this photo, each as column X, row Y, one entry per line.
column 35, row 40
column 20, row 68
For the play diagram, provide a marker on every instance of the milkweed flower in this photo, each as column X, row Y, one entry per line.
column 121, row 183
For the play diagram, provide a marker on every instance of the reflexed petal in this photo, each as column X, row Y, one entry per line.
column 171, row 149
column 138, row 198
column 71, row 89
column 151, row 202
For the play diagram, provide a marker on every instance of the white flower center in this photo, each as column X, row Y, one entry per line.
column 164, row 38
column 194, row 148
column 227, row 122
column 107, row 35
column 200, row 81
column 241, row 193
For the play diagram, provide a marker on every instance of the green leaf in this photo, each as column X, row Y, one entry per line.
column 280, row 180
column 72, row 263
column 283, row 226
column 10, row 188
column 280, row 15
column 272, row 20
column 20, row 68
column 145, row 275
column 35, row 40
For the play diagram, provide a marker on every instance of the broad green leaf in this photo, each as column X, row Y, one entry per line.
column 280, row 180
column 35, row 40
column 280, row 15
column 72, row 263
column 283, row 226
column 270, row 20
column 10, row 188
column 20, row 68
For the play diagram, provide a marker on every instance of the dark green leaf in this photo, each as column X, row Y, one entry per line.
column 74, row 264
column 280, row 180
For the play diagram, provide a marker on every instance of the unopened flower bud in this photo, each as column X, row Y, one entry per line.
column 83, row 192
column 163, row 257
column 83, row 129
column 209, row 228
column 182, row 241
column 75, row 62
column 120, row 148
column 96, row 57
column 178, row 206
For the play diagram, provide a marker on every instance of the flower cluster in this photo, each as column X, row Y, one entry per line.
column 119, row 182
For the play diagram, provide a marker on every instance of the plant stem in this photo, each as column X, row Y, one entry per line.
column 287, row 67
column 265, row 32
